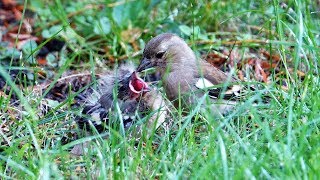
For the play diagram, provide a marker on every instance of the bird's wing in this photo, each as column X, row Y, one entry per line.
column 98, row 115
column 217, row 83
column 213, row 74
column 229, row 92
column 95, row 114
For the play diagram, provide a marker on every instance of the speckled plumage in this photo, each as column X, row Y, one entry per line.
column 113, row 88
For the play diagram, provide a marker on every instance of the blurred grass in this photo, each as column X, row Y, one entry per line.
column 281, row 141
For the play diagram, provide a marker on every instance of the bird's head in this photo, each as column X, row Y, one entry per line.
column 165, row 50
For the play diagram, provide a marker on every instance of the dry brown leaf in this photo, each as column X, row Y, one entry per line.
column 8, row 3
column 274, row 57
column 267, row 65
column 259, row 72
column 240, row 75
column 214, row 58
column 21, row 36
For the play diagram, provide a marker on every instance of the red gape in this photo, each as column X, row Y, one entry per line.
column 138, row 85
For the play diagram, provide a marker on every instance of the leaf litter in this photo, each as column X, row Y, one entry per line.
column 37, row 75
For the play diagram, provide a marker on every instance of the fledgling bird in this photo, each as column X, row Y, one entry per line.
column 134, row 97
column 183, row 74
column 136, row 100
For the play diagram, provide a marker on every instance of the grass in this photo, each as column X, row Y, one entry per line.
column 279, row 141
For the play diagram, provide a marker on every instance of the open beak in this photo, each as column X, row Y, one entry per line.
column 135, row 77
column 146, row 88
column 144, row 64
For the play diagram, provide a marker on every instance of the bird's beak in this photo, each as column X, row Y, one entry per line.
column 135, row 77
column 144, row 64
column 146, row 89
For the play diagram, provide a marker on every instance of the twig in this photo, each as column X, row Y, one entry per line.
column 237, row 42
column 44, row 86
column 118, row 3
column 258, row 28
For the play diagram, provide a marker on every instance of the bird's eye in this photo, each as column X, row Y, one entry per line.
column 160, row 54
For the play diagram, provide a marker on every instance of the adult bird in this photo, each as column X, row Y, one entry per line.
column 186, row 76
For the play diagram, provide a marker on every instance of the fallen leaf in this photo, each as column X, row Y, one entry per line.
column 42, row 61
column 259, row 72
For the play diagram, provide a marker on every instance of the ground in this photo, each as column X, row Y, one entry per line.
column 51, row 52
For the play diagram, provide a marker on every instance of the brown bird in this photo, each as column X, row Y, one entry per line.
column 133, row 96
column 184, row 75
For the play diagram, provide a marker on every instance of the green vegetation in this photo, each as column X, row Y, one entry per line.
column 279, row 140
